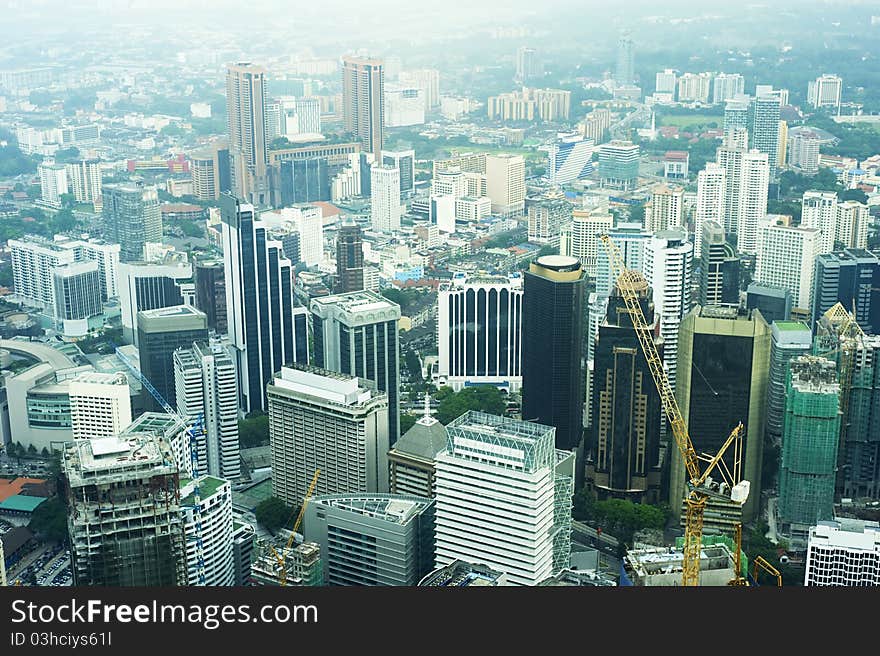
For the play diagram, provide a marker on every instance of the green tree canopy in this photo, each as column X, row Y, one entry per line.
column 272, row 513
column 253, row 431
column 484, row 398
column 49, row 520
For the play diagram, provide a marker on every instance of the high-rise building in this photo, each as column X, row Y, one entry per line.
column 349, row 259
column 665, row 209
column 307, row 221
column 210, row 172
column 246, row 115
column 619, row 165
column 774, row 302
column 668, row 270
column 632, row 242
column 719, row 267
column 529, row 104
column 726, row 86
column 404, row 106
column 53, row 183
column 694, row 87
column 736, row 117
column 242, row 552
column 851, row 277
column 77, row 296
column 504, row 497
column 265, row 329
column 152, row 285
column 385, row 198
column 138, row 539
column 753, row 189
column 788, row 340
column 624, row 449
column 811, row 430
column 213, row 525
column 786, row 257
column 320, row 419
column 546, row 219
column 851, row 224
column 411, row 459
column 100, row 405
column 819, row 210
column 479, row 331
column 206, row 386
column 428, row 81
column 586, row 228
column 765, row 129
column 506, row 184
column 665, row 81
column 403, row 161
column 372, row 539
column 553, row 363
column 569, row 158
column 825, row 91
column 730, row 158
column 803, row 152
column 304, row 180
column 210, row 287
column 84, row 181
column 131, row 218
column 528, row 65
column 356, row 334
column 782, row 153
column 363, row 102
column 596, row 124
column 711, row 188
column 859, row 459
column 723, row 361
column 625, row 72
column 843, row 552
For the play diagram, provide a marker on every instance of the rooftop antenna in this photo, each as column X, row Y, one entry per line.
column 427, row 419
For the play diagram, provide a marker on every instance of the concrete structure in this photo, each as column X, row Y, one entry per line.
column 216, row 530
column 411, row 460
column 404, row 106
column 694, row 88
column 152, row 285
column 372, row 539
column 786, row 257
column 403, row 161
column 665, row 81
column 586, row 228
column 100, row 405
column 427, row 80
column 53, row 183
column 84, row 181
column 788, row 340
column 569, row 158
column 528, row 64
column 530, row 105
column 506, row 184
column 662, row 566
column 632, row 243
column 825, row 91
column 385, row 198
column 803, row 152
column 819, row 210
column 719, row 267
column 546, row 219
column 774, row 302
column 242, row 552
column 504, row 497
column 665, row 209
column 363, row 101
column 349, row 259
column 754, row 183
column 246, row 112
column 306, row 221
column 711, row 186
column 726, row 86
column 131, row 218
column 845, row 552
column 210, row 172
column 77, row 297
column 851, row 224
column 676, row 164
column 619, row 165
column 335, row 422
column 625, row 72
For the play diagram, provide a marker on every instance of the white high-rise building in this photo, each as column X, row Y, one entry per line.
column 151, row 285
column 754, row 183
column 479, row 332
column 694, row 87
column 711, row 188
column 206, row 386
column 665, row 209
column 665, row 81
column 428, row 81
column 34, row 261
column 726, row 86
column 503, row 497
column 308, row 221
column 403, row 106
column 824, row 91
column 843, row 552
column 819, row 210
column 586, row 228
column 851, row 224
column 53, row 183
column 385, row 198
column 84, row 181
column 442, row 213
column 506, row 184
column 569, row 158
column 803, row 152
column 215, row 517
column 546, row 220
column 100, row 405
column 786, row 257
column 668, row 270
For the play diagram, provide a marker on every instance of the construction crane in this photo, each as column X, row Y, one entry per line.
column 282, row 562
column 767, row 567
column 195, row 431
column 700, row 485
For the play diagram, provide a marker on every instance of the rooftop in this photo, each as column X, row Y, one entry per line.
column 20, row 503
column 460, row 574
column 395, row 508
column 788, row 326
column 208, row 485
column 9, row 488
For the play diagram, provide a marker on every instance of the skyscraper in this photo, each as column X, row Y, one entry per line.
column 265, row 329
column 248, row 139
column 210, row 285
column 786, row 257
column 726, row 86
column 851, row 224
column 753, row 186
column 664, row 210
column 363, row 101
column 349, row 259
column 131, row 218
column 100, row 405
column 403, row 161
column 765, row 129
column 843, row 552
column 819, row 210
column 859, row 459
column 711, row 187
column 518, row 523
column 824, row 91
column 619, row 165
column 625, row 72
column 553, row 361
column 385, row 198
column 77, row 296
column 788, row 340
column 719, row 267
column 151, row 285
column 851, row 277
column 586, row 227
column 528, row 65
column 546, row 218
column 506, row 184
column 569, row 158
column 213, row 525
column 304, row 180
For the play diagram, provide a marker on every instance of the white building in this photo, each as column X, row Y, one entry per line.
column 569, row 158
column 825, row 91
column 786, row 258
column 726, row 86
column 53, row 183
column 819, row 210
column 479, row 333
column 803, row 152
column 84, row 181
column 215, row 517
column 506, row 184
column 665, row 209
column 665, row 81
column 586, row 228
column 34, row 261
column 442, row 213
column 851, row 224
column 472, row 208
column 503, row 497
column 385, row 198
column 427, row 80
column 308, row 220
column 206, row 387
column 100, row 405
column 453, row 108
column 753, row 187
column 403, row 106
column 694, row 87
column 546, row 220
column 844, row 552
column 711, row 187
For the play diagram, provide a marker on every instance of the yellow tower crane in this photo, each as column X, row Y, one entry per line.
column 767, row 567
column 699, row 484
column 282, row 561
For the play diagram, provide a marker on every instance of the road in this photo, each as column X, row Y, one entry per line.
column 771, row 520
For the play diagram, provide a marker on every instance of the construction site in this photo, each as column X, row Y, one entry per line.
column 663, row 566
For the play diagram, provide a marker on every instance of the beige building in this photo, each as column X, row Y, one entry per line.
column 529, row 104
column 506, row 184
column 665, row 209
column 248, row 141
column 363, row 101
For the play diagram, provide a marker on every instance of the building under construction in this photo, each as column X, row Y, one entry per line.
column 124, row 518
column 302, row 565
column 661, row 566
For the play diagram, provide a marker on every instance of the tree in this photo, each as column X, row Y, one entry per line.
column 484, row 398
column 407, row 421
column 49, row 520
column 253, row 431
column 411, row 358
column 272, row 513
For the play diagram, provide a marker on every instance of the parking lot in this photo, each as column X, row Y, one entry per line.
column 48, row 565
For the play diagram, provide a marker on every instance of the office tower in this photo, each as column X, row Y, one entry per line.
column 528, row 65
column 586, row 228
column 428, row 81
column 774, row 302
column 843, row 552
column 694, row 87
column 851, row 225
column 152, row 285
column 736, row 115
column 77, row 296
column 664, row 210
column 319, row 419
column 553, row 361
column 131, row 218
column 619, row 165
column 711, row 188
column 372, row 539
column 53, row 183
column 306, row 221
column 782, row 153
column 385, row 198
column 403, row 161
column 529, row 104
column 265, row 329
column 719, row 267
column 851, row 277
column 506, row 184
column 504, row 497
column 569, row 158
column 668, row 270
column 788, row 341
column 84, row 181
column 404, row 106
column 723, row 360
column 161, row 332
column 349, row 259
column 819, row 210
column 363, row 102
column 632, row 242
column 745, row 196
column 596, row 124
column 211, row 172
column 625, row 73
column 803, row 152
column 242, row 552
column 786, row 258
column 765, row 129
column 137, row 540
column 411, row 460
column 34, row 261
column 479, row 331
column 726, row 86
column 212, row 524
column 248, row 139
column 665, row 81
column 206, row 386
column 210, row 287
column 625, row 432
column 859, row 460
column 273, row 120
column 304, row 180
column 100, row 405
column 825, row 91
column 546, row 219
column 811, row 430
column 356, row 334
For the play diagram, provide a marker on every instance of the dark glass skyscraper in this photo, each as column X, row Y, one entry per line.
column 304, row 180
column 851, row 277
column 131, row 218
column 349, row 259
column 211, row 293
column 554, row 317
